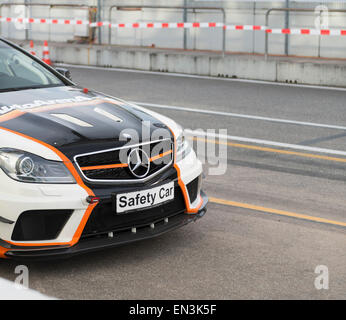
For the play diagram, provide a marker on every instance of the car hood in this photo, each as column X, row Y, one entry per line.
column 75, row 121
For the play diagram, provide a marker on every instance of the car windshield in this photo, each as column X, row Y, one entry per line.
column 19, row 72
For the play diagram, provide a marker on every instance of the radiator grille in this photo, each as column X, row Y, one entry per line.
column 113, row 165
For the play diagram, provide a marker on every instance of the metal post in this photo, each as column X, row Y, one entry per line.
column 99, row 17
column 223, row 33
column 287, row 25
column 25, row 14
column 266, row 35
column 110, row 28
column 185, row 20
column 319, row 37
column 254, row 23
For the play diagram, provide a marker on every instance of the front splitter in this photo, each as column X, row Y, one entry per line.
column 95, row 244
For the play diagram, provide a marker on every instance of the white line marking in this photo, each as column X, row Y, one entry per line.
column 245, row 116
column 264, row 142
column 182, row 75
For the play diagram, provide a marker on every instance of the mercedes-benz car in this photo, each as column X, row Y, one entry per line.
column 81, row 170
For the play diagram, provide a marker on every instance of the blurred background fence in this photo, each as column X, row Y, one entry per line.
column 245, row 12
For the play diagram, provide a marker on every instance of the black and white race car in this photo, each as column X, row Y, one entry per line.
column 80, row 170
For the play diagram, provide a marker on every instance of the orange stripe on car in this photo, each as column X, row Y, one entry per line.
column 161, row 155
column 181, row 183
column 11, row 115
column 186, row 196
column 108, row 166
column 3, row 252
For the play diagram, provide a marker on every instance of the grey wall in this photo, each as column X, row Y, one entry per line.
column 238, row 12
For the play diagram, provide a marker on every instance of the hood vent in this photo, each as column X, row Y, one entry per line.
column 108, row 115
column 71, row 119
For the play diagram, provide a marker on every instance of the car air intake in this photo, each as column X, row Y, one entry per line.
column 193, row 188
column 37, row 225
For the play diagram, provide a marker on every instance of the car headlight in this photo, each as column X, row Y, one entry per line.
column 183, row 147
column 26, row 167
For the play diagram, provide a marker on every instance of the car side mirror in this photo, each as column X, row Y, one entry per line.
column 65, row 72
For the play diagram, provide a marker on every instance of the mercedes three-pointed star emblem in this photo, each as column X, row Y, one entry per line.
column 139, row 163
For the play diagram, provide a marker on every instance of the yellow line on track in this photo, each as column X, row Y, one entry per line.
column 270, row 210
column 265, row 149
column 276, row 211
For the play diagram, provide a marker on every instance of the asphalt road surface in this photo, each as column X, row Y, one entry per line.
column 276, row 214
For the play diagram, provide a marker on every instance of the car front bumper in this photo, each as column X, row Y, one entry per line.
column 147, row 231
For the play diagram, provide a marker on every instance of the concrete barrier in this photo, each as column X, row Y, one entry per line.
column 281, row 69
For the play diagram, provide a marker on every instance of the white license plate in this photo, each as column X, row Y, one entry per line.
column 144, row 198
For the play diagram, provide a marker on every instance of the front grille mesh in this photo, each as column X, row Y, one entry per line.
column 105, row 174
column 107, row 166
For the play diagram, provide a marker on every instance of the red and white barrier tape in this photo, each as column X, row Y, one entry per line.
column 159, row 25
column 245, row 27
column 45, row 21
column 322, row 32
column 177, row 25
column 301, row 31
